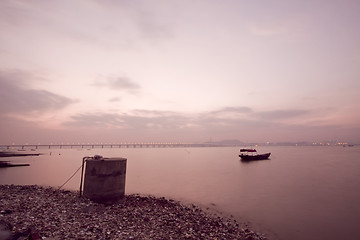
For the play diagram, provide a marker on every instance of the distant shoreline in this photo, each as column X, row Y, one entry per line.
column 50, row 213
column 233, row 143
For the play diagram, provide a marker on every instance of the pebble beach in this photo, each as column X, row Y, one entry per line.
column 34, row 212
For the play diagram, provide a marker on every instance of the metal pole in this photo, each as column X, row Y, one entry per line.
column 82, row 173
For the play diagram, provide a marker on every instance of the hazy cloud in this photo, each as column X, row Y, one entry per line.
column 281, row 114
column 148, row 24
column 118, row 83
column 172, row 121
column 122, row 23
column 154, row 113
column 155, row 124
column 151, row 125
column 17, row 97
column 232, row 110
column 106, row 120
column 115, row 99
column 123, row 83
column 139, row 119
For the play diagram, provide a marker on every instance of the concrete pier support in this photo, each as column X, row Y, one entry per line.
column 104, row 179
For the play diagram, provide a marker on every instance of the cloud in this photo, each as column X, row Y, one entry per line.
column 151, row 21
column 232, row 110
column 137, row 120
column 154, row 113
column 228, row 118
column 99, row 120
column 156, row 125
column 118, row 83
column 123, row 83
column 17, row 96
column 169, row 123
column 147, row 125
column 114, row 99
column 100, row 24
column 281, row 114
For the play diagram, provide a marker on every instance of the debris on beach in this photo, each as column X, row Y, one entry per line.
column 34, row 212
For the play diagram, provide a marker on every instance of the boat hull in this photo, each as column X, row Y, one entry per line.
column 245, row 157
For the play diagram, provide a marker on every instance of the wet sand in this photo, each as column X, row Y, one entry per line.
column 38, row 212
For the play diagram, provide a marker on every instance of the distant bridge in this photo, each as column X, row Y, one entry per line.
column 110, row 145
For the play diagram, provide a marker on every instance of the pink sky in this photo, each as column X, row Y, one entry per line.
column 179, row 71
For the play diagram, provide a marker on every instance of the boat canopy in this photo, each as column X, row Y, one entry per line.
column 247, row 150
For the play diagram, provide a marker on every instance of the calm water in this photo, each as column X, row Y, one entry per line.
column 301, row 193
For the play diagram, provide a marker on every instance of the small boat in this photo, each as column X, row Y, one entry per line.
column 245, row 156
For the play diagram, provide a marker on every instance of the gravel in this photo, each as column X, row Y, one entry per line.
column 34, row 212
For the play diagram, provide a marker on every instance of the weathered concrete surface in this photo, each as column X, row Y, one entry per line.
column 104, row 179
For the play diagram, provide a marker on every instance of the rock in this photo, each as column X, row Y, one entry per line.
column 6, row 211
column 44, row 212
column 5, row 226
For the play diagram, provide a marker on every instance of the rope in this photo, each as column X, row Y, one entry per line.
column 70, row 177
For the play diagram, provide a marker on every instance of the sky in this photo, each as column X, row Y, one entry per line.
column 110, row 71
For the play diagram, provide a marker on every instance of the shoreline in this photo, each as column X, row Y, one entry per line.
column 47, row 213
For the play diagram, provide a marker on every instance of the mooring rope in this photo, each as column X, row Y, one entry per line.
column 70, row 177
column 82, row 171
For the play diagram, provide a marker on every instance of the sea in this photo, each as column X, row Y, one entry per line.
column 302, row 192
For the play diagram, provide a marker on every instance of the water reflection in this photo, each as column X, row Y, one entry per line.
column 300, row 193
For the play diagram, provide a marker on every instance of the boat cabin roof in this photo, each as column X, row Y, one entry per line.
column 247, row 150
